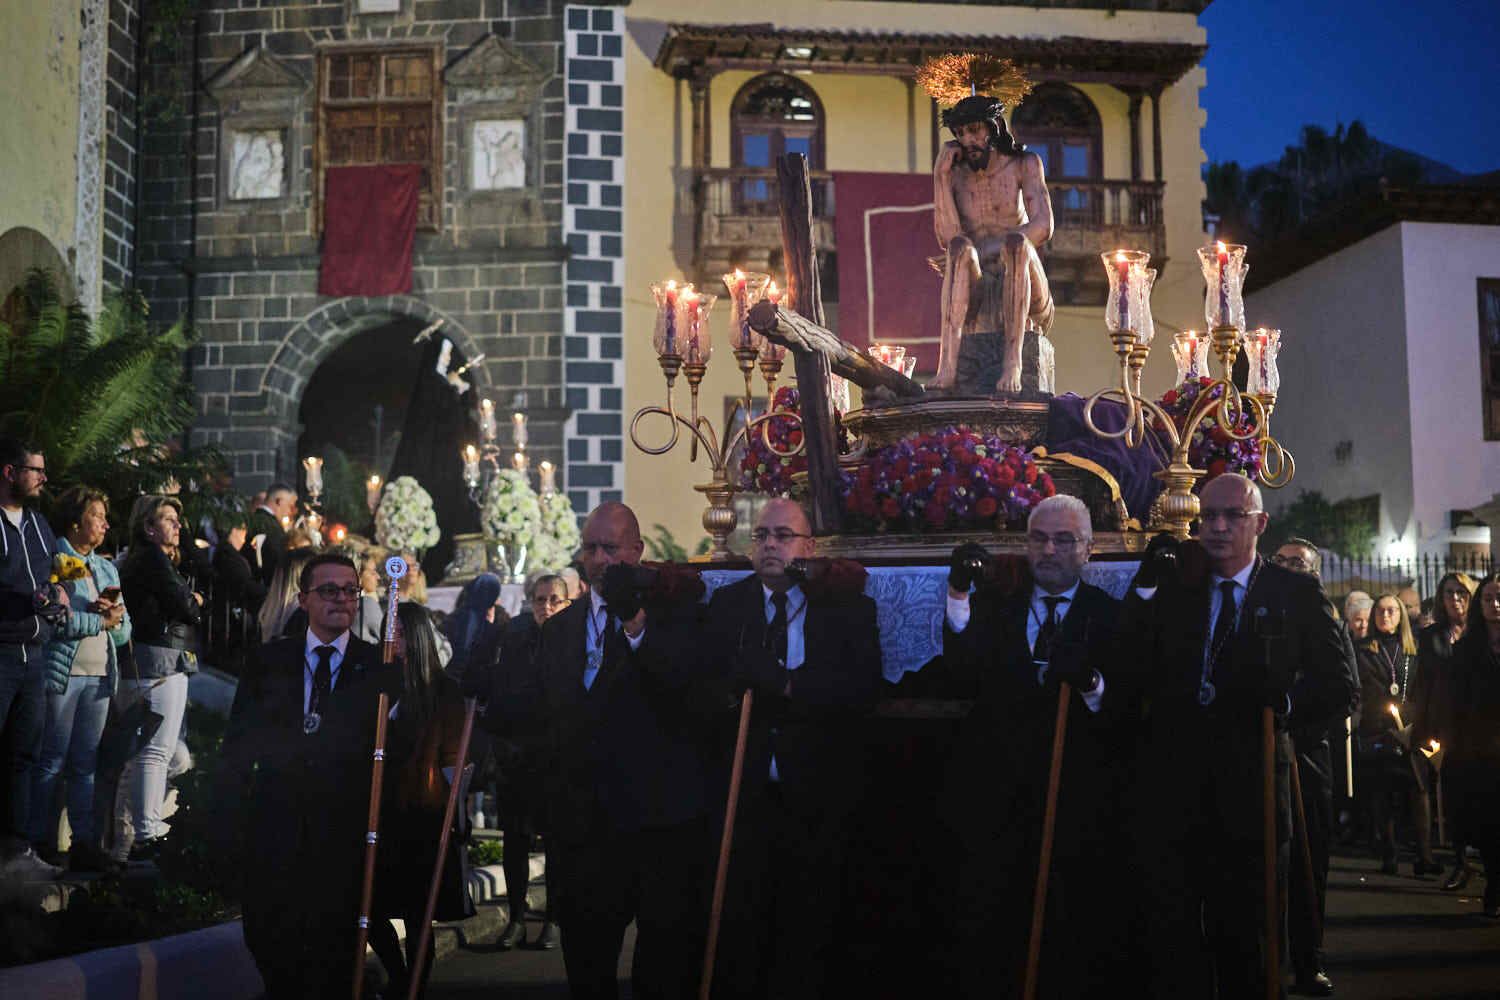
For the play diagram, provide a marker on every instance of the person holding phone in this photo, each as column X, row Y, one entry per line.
column 82, row 672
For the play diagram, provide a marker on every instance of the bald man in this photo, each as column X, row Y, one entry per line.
column 626, row 781
column 813, row 663
column 1215, row 650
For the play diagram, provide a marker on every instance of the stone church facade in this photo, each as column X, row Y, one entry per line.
column 513, row 106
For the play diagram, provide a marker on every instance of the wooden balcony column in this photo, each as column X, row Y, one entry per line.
column 1134, row 112
column 1156, row 92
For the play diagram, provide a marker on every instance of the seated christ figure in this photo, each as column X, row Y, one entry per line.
column 991, row 211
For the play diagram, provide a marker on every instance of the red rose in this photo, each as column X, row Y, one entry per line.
column 1217, row 468
column 1005, row 477
column 909, row 484
column 890, row 509
column 935, row 514
column 1205, row 380
column 923, row 479
column 794, row 438
column 986, row 507
column 851, row 503
column 1030, row 474
column 967, row 457
column 1170, row 397
column 900, row 468
column 1218, row 435
column 1048, row 487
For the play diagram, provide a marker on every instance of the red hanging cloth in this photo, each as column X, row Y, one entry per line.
column 369, row 226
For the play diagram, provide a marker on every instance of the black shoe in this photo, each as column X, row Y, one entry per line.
column 515, row 934
column 546, row 938
column 1459, row 877
column 1315, row 985
column 145, row 851
column 83, row 857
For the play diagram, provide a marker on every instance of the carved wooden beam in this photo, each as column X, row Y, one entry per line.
column 802, row 335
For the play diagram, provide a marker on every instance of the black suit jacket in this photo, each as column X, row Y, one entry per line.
column 272, row 551
column 301, row 801
column 819, row 739
column 997, row 779
column 1214, row 751
column 625, row 754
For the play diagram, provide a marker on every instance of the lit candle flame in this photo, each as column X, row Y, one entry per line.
column 739, row 275
column 1395, row 711
column 1222, row 248
column 1119, row 256
column 375, row 482
column 470, row 454
column 1436, row 746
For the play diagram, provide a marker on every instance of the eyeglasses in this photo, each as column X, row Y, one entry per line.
column 1039, row 540
column 1233, row 518
column 551, row 602
column 40, row 470
column 782, row 535
column 1291, row 562
column 332, row 592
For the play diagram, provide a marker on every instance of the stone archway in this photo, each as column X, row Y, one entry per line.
column 255, row 423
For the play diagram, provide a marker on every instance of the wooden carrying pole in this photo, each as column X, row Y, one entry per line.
column 1268, row 854
column 1044, row 859
column 424, row 933
column 726, row 840
column 372, row 838
column 1304, row 848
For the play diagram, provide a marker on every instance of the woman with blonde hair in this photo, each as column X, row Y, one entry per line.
column 278, row 612
column 1387, row 667
column 1433, row 699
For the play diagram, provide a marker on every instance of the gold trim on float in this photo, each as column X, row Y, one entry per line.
column 1089, row 465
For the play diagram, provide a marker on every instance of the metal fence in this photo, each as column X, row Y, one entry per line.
column 1382, row 576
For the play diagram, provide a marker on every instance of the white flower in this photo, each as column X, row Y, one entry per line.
column 405, row 520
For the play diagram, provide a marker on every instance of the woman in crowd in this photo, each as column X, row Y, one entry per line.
column 280, row 613
column 517, row 744
column 472, row 624
column 82, row 669
column 166, row 613
column 423, row 740
column 1357, row 607
column 1432, row 703
column 371, row 563
column 1387, row 665
column 1473, row 764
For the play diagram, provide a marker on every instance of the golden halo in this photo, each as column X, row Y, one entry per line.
column 950, row 78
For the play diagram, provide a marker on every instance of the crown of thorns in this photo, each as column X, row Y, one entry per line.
column 958, row 77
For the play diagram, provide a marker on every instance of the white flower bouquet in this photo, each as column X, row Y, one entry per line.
column 405, row 520
column 558, row 539
column 509, row 512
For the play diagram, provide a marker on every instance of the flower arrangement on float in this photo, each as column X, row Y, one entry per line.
column 761, row 469
column 949, row 479
column 1212, row 448
column 405, row 521
column 557, row 538
column 509, row 513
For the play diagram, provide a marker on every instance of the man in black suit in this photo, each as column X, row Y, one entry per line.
column 1009, row 652
column 625, row 790
column 295, row 783
column 810, row 652
column 1213, row 649
column 266, row 546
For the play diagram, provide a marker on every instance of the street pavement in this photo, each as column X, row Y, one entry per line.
column 1388, row 938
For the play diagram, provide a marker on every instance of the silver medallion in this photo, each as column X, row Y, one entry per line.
column 1395, row 688
column 596, row 659
column 311, row 723
column 1207, row 693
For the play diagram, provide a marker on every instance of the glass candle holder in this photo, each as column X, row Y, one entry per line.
column 1190, row 352
column 1261, row 347
column 1145, row 330
column 372, row 493
column 890, row 355
column 470, row 456
column 1224, row 272
column 313, row 471
column 838, row 393
column 519, row 435
column 745, row 289
column 909, row 365
column 547, row 478
column 487, row 428
column 693, row 308
column 1126, row 270
column 664, row 333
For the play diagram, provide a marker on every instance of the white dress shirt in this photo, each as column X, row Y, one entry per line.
column 958, row 620
column 310, row 659
column 796, row 647
column 1241, row 582
column 594, row 636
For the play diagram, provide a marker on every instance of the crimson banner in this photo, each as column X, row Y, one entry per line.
column 369, row 226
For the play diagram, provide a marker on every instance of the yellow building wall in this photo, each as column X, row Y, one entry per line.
column 869, row 125
column 39, row 117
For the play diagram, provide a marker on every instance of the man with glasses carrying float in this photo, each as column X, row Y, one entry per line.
column 1216, row 635
column 1008, row 649
column 800, row 634
column 295, row 784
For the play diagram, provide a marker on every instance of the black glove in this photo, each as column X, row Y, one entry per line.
column 47, row 608
column 1068, row 660
column 624, row 590
column 967, row 565
column 758, row 670
column 1159, row 563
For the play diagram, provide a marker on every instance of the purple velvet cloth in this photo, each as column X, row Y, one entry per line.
column 1131, row 467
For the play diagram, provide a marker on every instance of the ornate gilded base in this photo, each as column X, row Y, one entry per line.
column 937, row 547
column 470, row 558
column 1022, row 423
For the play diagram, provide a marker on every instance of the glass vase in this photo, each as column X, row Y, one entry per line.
column 1224, row 272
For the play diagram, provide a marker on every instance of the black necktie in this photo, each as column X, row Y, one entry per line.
column 322, row 677
column 776, row 633
column 1048, row 630
column 1224, row 624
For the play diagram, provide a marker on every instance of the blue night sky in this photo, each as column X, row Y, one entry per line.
column 1420, row 75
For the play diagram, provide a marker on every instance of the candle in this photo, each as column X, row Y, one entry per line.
column 664, row 337
column 338, row 534
column 286, row 521
column 739, row 311
column 314, row 467
column 372, row 493
column 547, row 476
column 519, row 461
column 1122, row 272
column 487, row 428
column 518, row 429
column 773, row 293
column 471, row 465
column 890, row 355
column 688, row 300
column 1223, row 255
column 1395, row 711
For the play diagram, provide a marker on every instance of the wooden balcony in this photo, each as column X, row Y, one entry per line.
column 738, row 224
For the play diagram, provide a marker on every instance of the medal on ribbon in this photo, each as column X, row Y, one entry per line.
column 311, row 723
